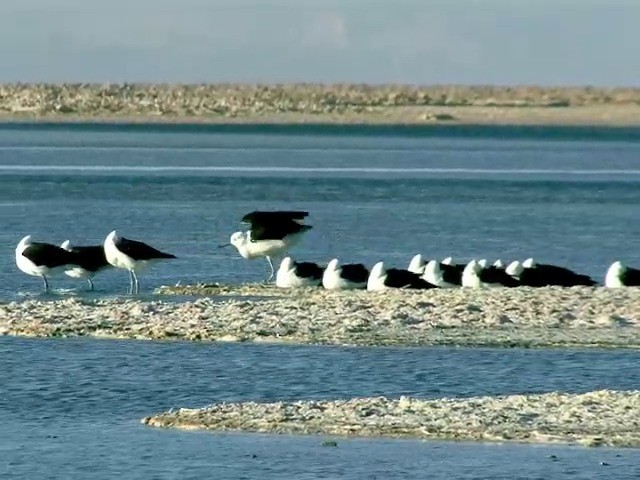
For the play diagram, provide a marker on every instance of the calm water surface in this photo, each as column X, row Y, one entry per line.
column 70, row 408
column 567, row 198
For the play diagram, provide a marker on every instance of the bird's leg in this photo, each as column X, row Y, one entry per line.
column 135, row 279
column 46, row 284
column 272, row 269
column 130, row 282
column 90, row 284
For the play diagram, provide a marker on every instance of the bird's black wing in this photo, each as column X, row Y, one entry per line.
column 91, row 257
column 399, row 278
column 631, row 277
column 563, row 277
column 49, row 255
column 276, row 230
column 309, row 270
column 356, row 272
column 452, row 273
column 277, row 216
column 139, row 250
column 498, row 275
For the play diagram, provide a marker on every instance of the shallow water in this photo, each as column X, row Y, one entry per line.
column 73, row 406
column 565, row 196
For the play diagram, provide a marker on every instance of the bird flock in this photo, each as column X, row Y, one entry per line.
column 273, row 233
column 45, row 259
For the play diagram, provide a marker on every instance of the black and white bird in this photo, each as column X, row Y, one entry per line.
column 619, row 275
column 381, row 278
column 475, row 275
column 499, row 264
column 292, row 274
column 42, row 259
column 90, row 260
column 131, row 255
column 271, row 235
column 532, row 274
column 443, row 275
column 350, row 276
column 417, row 264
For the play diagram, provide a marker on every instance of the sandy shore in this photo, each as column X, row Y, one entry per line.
column 553, row 316
column 311, row 103
column 597, row 418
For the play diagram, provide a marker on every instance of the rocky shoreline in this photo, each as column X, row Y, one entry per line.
column 600, row 418
column 318, row 103
column 526, row 317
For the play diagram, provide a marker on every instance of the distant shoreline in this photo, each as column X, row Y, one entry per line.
column 601, row 116
column 306, row 104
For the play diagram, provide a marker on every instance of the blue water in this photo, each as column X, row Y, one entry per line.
column 71, row 408
column 562, row 196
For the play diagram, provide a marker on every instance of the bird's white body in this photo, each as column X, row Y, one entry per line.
column 471, row 276
column 268, row 249
column 262, row 248
column 121, row 260
column 30, row 268
column 331, row 279
column 286, row 276
column 529, row 263
column 514, row 269
column 498, row 264
column 613, row 276
column 482, row 262
column 447, row 261
column 75, row 272
column 376, row 279
column 26, row 265
column 417, row 264
column 433, row 275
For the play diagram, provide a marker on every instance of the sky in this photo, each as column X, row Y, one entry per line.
column 501, row 42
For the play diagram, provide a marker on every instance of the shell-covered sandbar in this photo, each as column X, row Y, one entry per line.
column 607, row 418
column 529, row 317
column 320, row 103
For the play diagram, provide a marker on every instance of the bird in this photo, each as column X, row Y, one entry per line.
column 417, row 264
column 91, row 259
column 271, row 235
column 381, row 278
column 42, row 259
column 532, row 274
column 619, row 275
column 499, row 264
column 514, row 268
column 448, row 261
column 344, row 277
column 292, row 274
column 443, row 275
column 131, row 255
column 475, row 275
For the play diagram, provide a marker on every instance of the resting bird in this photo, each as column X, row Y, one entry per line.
column 131, row 255
column 619, row 275
column 344, row 277
column 42, row 259
column 292, row 274
column 532, row 274
column 477, row 276
column 382, row 278
column 91, row 260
